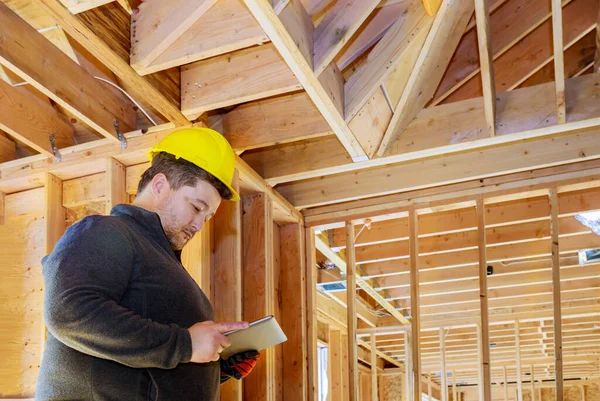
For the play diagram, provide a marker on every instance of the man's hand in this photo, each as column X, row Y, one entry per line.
column 208, row 340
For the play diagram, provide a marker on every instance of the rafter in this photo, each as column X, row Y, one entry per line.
column 533, row 51
column 158, row 24
column 209, row 37
column 292, row 35
column 441, row 42
column 404, row 38
column 559, row 64
column 443, row 130
column 233, row 78
column 341, row 22
column 79, row 6
column 482, row 13
column 32, row 121
column 160, row 90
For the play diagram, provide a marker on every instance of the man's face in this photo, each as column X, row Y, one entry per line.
column 183, row 212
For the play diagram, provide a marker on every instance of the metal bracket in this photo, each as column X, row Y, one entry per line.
column 120, row 136
column 57, row 156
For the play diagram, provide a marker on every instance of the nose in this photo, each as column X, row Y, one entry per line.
column 198, row 222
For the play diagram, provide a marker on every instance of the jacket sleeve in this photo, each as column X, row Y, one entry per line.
column 85, row 277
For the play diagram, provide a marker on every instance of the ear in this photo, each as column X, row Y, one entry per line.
column 159, row 185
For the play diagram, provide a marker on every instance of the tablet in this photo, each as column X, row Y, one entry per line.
column 260, row 334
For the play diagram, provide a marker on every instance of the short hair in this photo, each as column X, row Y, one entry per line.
column 179, row 173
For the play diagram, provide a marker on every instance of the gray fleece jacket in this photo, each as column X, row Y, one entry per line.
column 117, row 304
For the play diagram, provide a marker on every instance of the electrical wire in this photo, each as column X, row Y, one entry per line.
column 129, row 97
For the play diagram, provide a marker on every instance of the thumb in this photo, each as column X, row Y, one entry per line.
column 228, row 326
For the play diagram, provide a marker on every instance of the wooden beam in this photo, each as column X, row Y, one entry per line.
column 234, row 78
column 158, row 89
column 79, row 6
column 480, row 388
column 115, row 179
column 437, row 131
column 486, row 384
column 373, row 344
column 557, row 321
column 403, row 41
column 274, row 121
column 351, row 319
column 311, row 315
column 441, row 42
column 454, row 392
column 259, row 287
column 209, row 37
column 443, row 171
column 452, row 196
column 158, row 24
column 371, row 31
column 30, row 120
column 559, row 64
column 227, row 274
column 44, row 67
column 292, row 35
column 340, row 23
column 293, row 312
column 482, row 13
column 597, row 54
column 518, row 361
column 443, row 373
column 130, row 6
column 414, row 304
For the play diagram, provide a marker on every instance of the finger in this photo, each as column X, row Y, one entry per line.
column 215, row 357
column 228, row 326
column 220, row 349
column 224, row 341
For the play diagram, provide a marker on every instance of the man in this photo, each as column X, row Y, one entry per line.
column 125, row 320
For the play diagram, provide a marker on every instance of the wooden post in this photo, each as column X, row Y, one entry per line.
column 532, row 377
column 505, row 384
column 311, row 315
column 345, row 375
column 373, row 368
column 115, row 179
column 258, row 285
column 336, row 357
column 2, row 212
column 55, row 224
column 480, row 386
column 429, row 396
column 483, row 305
column 351, row 321
column 582, row 388
column 443, row 373
column 454, row 394
column 559, row 64
column 293, row 312
column 519, row 375
column 227, row 274
column 558, row 361
column 408, row 391
column 482, row 13
column 413, row 230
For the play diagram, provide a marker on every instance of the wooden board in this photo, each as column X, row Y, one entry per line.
column 44, row 65
column 234, row 78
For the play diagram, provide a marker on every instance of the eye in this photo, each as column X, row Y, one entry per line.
column 196, row 208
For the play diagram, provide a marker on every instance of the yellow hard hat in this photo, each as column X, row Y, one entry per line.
column 205, row 148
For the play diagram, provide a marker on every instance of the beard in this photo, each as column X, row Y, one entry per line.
column 173, row 229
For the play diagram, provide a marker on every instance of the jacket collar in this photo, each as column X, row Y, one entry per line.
column 149, row 223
